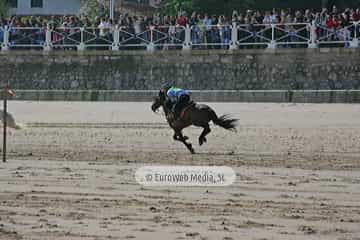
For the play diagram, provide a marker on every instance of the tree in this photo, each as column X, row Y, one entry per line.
column 4, row 8
column 220, row 6
column 173, row 7
column 227, row 6
column 93, row 8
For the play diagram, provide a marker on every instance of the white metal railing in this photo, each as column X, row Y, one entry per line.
column 80, row 38
column 253, row 34
column 178, row 37
column 292, row 34
column 215, row 36
column 24, row 37
column 153, row 37
column 273, row 35
column 168, row 36
column 64, row 38
column 347, row 35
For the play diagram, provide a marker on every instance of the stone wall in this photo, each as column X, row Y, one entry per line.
column 280, row 69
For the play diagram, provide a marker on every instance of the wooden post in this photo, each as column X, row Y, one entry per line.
column 5, row 95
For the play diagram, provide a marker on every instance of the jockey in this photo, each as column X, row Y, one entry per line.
column 164, row 88
column 178, row 97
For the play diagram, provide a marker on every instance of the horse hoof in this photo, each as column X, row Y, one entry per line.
column 191, row 149
column 202, row 141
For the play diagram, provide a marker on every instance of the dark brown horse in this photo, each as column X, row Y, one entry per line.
column 195, row 114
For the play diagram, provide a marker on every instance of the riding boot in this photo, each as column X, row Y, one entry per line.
column 177, row 117
column 177, row 123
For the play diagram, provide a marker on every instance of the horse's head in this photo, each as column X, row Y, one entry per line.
column 158, row 101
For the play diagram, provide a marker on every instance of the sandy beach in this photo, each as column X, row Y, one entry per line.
column 70, row 174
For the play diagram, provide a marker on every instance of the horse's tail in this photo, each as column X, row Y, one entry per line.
column 225, row 121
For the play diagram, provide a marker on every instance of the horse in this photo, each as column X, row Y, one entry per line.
column 195, row 114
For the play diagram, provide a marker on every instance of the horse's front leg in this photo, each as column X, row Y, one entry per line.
column 179, row 137
column 176, row 137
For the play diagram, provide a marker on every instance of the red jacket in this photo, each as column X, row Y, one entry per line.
column 332, row 23
column 181, row 21
column 356, row 16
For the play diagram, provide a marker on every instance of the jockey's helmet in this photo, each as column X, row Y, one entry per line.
column 165, row 87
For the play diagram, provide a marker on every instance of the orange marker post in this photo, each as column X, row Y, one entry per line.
column 6, row 93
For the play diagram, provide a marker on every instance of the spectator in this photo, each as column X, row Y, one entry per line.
column 356, row 15
column 290, row 29
column 181, row 21
column 225, row 31
column 235, row 17
column 207, row 25
column 138, row 25
column 274, row 16
column 308, row 16
column 258, row 16
column 267, row 18
column 202, row 29
column 241, row 19
column 332, row 24
column 299, row 18
column 195, row 29
column 254, row 25
column 2, row 25
column 172, row 31
column 104, row 27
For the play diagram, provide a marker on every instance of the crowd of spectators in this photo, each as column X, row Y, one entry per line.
column 215, row 30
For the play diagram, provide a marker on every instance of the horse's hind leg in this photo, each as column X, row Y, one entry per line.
column 183, row 139
column 206, row 131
